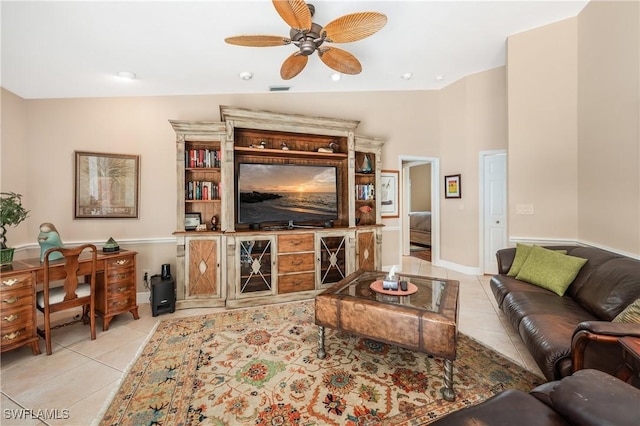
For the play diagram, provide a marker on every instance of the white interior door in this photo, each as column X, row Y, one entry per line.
column 495, row 208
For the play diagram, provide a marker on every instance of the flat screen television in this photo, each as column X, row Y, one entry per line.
column 286, row 193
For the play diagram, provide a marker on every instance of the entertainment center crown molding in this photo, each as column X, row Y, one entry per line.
column 240, row 264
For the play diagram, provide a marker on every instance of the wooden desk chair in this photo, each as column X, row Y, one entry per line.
column 74, row 293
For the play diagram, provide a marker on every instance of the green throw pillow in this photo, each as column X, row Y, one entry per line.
column 630, row 314
column 550, row 269
column 522, row 252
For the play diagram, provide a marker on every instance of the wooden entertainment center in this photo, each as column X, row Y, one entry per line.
column 242, row 264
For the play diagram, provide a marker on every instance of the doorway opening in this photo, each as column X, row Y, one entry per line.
column 420, row 208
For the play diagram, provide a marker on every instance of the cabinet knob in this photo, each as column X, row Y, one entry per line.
column 122, row 261
column 11, row 300
column 10, row 282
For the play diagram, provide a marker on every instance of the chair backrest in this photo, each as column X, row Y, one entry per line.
column 71, row 271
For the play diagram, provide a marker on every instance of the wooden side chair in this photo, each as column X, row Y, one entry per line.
column 74, row 293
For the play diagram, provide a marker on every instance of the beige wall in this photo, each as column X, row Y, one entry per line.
column 543, row 145
column 574, row 129
column 609, row 125
column 472, row 119
column 420, row 188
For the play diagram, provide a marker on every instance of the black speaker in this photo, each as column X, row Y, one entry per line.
column 163, row 295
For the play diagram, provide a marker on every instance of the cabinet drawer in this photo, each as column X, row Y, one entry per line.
column 296, row 263
column 14, row 282
column 295, row 243
column 15, row 299
column 20, row 318
column 120, row 302
column 122, row 275
column 119, row 288
column 15, row 337
column 296, row 282
column 120, row 262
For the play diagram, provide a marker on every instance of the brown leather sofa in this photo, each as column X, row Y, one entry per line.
column 551, row 325
column 587, row 398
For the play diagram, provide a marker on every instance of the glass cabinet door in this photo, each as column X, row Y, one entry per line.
column 332, row 261
column 255, row 265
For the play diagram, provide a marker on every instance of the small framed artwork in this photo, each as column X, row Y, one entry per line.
column 389, row 193
column 107, row 185
column 192, row 221
column 452, row 186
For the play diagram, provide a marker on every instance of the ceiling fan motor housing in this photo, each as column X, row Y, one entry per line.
column 307, row 42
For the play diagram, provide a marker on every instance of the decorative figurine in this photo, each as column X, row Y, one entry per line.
column 49, row 238
column 214, row 223
column 362, row 215
column 284, row 146
column 366, row 165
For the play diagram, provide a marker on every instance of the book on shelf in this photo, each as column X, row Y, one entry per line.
column 202, row 158
column 202, row 190
column 365, row 192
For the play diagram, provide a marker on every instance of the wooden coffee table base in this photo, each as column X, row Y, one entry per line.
column 447, row 391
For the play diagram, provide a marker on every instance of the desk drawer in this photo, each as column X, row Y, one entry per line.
column 120, row 303
column 16, row 318
column 296, row 263
column 295, row 243
column 296, row 282
column 120, row 262
column 15, row 282
column 15, row 299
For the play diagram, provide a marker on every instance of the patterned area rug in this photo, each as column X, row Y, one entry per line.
column 258, row 366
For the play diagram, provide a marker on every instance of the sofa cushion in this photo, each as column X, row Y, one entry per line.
column 611, row 287
column 630, row 314
column 550, row 269
column 518, row 304
column 501, row 285
column 548, row 338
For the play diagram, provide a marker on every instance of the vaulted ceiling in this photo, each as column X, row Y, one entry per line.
column 54, row 49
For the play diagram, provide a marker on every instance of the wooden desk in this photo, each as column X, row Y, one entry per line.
column 115, row 294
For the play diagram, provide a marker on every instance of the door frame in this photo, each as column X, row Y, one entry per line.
column 483, row 207
column 405, row 163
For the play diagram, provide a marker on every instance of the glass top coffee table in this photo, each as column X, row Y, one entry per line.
column 424, row 321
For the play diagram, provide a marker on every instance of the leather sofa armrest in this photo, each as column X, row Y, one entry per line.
column 505, row 259
column 594, row 398
column 598, row 335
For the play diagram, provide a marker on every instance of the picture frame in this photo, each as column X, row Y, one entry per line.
column 389, row 190
column 106, row 185
column 192, row 221
column 452, row 186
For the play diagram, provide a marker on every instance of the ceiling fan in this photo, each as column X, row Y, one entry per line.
column 310, row 37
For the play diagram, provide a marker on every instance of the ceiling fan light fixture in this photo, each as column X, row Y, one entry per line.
column 245, row 75
column 407, row 76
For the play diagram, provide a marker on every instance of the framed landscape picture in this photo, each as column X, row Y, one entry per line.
column 389, row 193
column 107, row 185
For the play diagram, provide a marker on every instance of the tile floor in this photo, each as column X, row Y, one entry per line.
column 81, row 374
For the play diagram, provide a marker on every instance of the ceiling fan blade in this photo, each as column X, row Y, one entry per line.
column 340, row 60
column 293, row 65
column 354, row 27
column 258, row 40
column 295, row 13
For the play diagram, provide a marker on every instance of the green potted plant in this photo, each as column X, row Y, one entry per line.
column 12, row 214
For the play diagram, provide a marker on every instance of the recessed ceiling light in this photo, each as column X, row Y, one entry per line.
column 407, row 76
column 440, row 77
column 245, row 75
column 336, row 76
column 127, row 75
